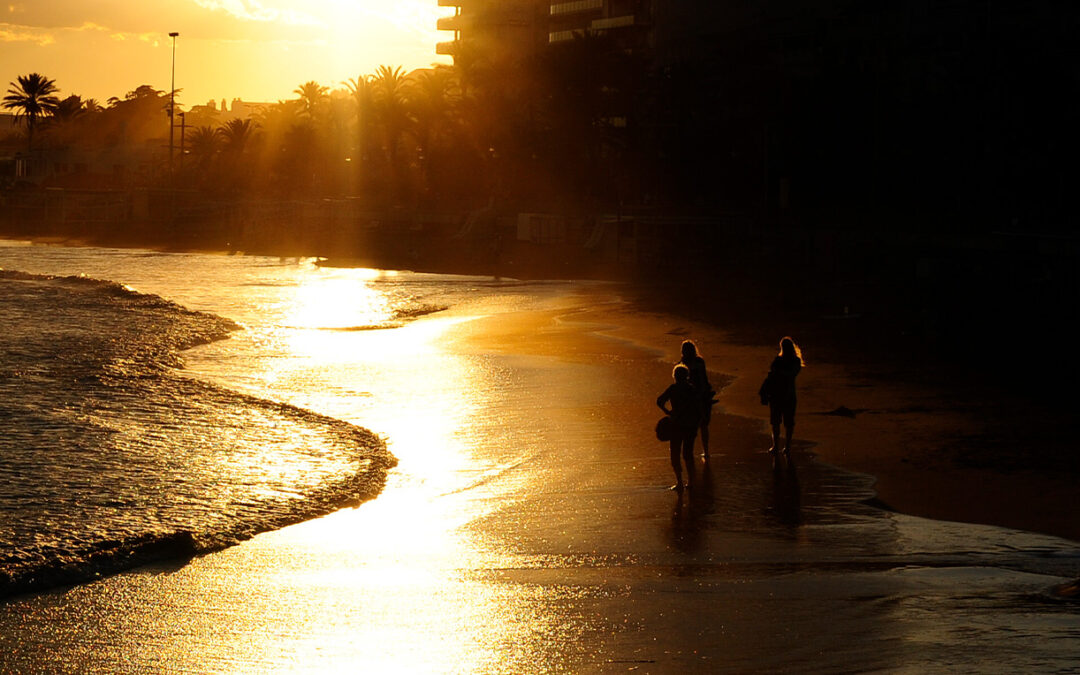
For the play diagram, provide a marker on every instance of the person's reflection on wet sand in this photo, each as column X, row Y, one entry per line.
column 787, row 498
column 689, row 516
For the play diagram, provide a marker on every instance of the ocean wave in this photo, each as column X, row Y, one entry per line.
column 418, row 311
column 113, row 458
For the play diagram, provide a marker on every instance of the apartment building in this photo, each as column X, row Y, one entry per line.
column 630, row 22
column 499, row 29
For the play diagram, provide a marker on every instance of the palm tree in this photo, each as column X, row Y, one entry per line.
column 32, row 98
column 203, row 143
column 69, row 109
column 237, row 134
column 390, row 84
column 237, row 139
column 311, row 94
column 433, row 104
column 390, row 95
column 362, row 90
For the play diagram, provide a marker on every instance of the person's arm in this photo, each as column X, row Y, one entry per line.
column 662, row 399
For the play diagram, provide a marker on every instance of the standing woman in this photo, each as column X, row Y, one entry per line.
column 684, row 413
column 699, row 378
column 781, row 391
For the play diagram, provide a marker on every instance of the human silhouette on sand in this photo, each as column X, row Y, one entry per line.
column 699, row 378
column 685, row 413
column 779, row 387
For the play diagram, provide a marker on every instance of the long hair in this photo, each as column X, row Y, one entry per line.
column 789, row 348
column 689, row 349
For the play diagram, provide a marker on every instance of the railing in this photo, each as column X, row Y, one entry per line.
column 562, row 35
column 563, row 8
column 613, row 22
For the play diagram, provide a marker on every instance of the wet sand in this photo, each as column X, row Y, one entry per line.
column 943, row 439
column 579, row 558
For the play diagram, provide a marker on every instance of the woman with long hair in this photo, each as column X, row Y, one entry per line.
column 781, row 392
column 699, row 379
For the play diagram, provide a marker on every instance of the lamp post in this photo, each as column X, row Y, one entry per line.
column 172, row 100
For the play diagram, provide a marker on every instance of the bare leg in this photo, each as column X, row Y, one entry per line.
column 688, row 459
column 675, row 463
column 775, row 438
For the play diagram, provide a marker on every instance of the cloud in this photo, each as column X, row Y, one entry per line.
column 44, row 37
column 413, row 16
column 253, row 10
column 194, row 19
column 13, row 33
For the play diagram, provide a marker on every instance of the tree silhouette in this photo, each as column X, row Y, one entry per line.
column 237, row 138
column 32, row 97
column 203, row 144
column 69, row 109
column 433, row 108
column 311, row 94
column 137, row 117
column 237, row 135
column 362, row 91
column 390, row 90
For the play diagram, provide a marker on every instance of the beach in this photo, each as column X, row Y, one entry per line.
column 560, row 547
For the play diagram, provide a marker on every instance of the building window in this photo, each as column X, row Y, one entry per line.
column 561, row 8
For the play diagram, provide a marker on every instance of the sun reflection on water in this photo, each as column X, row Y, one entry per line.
column 397, row 566
column 339, row 302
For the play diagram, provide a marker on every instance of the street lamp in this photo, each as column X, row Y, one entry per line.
column 172, row 99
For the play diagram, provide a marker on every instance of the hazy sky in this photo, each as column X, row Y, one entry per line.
column 257, row 50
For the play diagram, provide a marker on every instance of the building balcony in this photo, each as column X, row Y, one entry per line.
column 575, row 7
column 613, row 23
column 447, row 48
column 597, row 26
column 454, row 23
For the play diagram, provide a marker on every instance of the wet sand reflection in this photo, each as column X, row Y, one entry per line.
column 528, row 528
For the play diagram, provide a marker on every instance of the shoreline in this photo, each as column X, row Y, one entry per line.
column 942, row 439
column 920, row 438
column 533, row 529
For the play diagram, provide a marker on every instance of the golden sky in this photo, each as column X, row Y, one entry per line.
column 256, row 50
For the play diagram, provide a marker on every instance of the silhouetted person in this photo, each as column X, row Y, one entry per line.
column 699, row 378
column 781, row 390
column 685, row 413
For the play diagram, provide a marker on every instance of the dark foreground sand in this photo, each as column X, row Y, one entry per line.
column 577, row 558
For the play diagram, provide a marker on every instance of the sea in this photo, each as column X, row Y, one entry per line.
column 167, row 404
column 157, row 406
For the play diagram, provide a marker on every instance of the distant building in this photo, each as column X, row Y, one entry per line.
column 243, row 109
column 629, row 21
column 210, row 115
column 8, row 123
column 498, row 29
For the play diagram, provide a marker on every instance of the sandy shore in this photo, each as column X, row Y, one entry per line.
column 942, row 441
column 573, row 555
